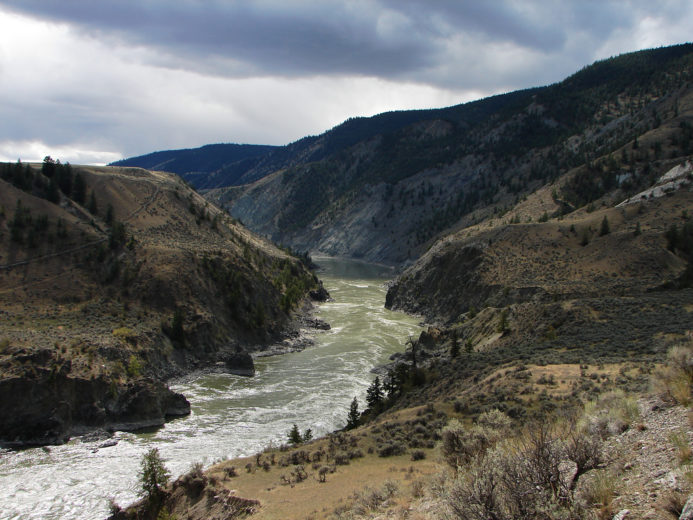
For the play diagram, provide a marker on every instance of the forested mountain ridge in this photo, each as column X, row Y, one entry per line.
column 209, row 166
column 388, row 196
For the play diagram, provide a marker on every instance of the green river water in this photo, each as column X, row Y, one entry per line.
column 231, row 415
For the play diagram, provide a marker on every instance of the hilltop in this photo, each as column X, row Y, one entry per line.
column 114, row 279
column 209, row 166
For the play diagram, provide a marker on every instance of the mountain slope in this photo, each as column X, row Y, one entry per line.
column 129, row 280
column 386, row 197
column 498, row 263
column 209, row 166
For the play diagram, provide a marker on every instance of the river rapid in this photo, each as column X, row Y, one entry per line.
column 231, row 416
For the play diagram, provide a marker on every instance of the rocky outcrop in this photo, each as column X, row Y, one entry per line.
column 239, row 363
column 320, row 294
column 46, row 406
column 194, row 496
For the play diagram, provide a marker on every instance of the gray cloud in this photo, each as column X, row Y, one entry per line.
column 237, row 39
column 387, row 38
column 130, row 76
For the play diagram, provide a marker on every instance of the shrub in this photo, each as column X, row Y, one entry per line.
column 612, row 413
column 461, row 445
column 341, row 460
column 584, row 450
column 495, row 420
column 417, row 489
column 355, row 454
column 125, row 334
column 369, row 500
column 675, row 380
column 605, row 229
column 391, row 449
column 418, row 455
column 196, row 470
column 322, row 473
column 599, row 492
column 683, row 448
column 134, row 366
column 672, row 504
column 299, row 474
column 113, row 507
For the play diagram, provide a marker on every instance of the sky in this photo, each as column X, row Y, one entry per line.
column 94, row 81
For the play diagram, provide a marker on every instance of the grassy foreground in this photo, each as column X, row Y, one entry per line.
column 616, row 452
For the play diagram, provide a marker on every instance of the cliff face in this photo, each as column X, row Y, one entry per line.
column 42, row 403
column 130, row 280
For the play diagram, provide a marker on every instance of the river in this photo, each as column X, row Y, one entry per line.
column 231, row 415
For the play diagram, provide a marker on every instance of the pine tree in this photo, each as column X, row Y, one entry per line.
column 353, row 416
column 294, row 436
column 503, row 322
column 605, row 229
column 48, row 166
column 455, row 347
column 52, row 193
column 153, row 475
column 177, row 331
column 92, row 207
column 390, row 384
column 468, row 346
column 79, row 189
column 374, row 394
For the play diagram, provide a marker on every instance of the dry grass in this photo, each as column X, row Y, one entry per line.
column 600, row 493
column 675, row 379
column 347, row 489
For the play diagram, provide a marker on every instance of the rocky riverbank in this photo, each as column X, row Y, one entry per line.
column 42, row 405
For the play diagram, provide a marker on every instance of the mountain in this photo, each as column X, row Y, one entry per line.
column 206, row 167
column 114, row 279
column 220, row 165
column 384, row 188
column 549, row 241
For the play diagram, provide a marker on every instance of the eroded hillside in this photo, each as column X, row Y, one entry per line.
column 114, row 279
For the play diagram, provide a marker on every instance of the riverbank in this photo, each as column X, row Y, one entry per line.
column 232, row 416
column 615, row 454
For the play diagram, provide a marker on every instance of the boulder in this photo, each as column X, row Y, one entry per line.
column 320, row 294
column 239, row 363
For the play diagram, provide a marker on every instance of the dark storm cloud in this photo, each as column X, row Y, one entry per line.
column 243, row 38
column 387, row 38
column 109, row 77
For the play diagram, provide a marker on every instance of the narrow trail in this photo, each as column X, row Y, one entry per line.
column 40, row 258
column 52, row 255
